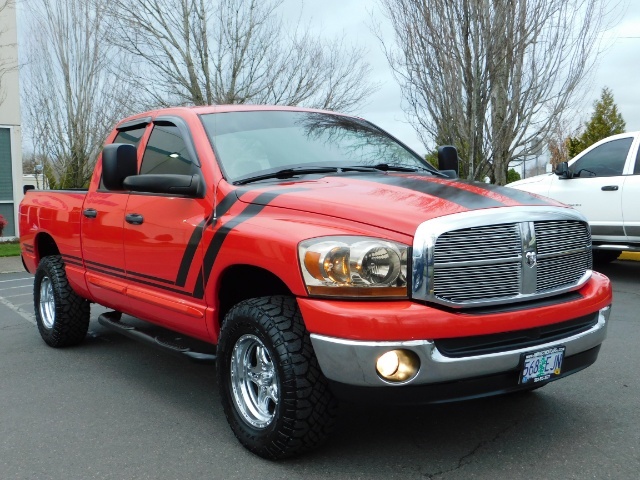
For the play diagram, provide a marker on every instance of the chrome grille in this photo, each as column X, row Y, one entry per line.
column 556, row 236
column 463, row 284
column 557, row 272
column 500, row 256
column 481, row 243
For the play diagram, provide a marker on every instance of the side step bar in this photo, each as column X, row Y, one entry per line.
column 161, row 338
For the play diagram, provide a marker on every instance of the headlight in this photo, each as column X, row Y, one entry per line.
column 354, row 266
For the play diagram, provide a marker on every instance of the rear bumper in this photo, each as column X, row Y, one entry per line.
column 350, row 362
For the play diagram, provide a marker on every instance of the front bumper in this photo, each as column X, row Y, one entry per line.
column 351, row 362
column 470, row 388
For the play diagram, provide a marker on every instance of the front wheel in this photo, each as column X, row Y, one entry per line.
column 62, row 315
column 274, row 395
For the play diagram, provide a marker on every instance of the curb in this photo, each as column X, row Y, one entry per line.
column 635, row 256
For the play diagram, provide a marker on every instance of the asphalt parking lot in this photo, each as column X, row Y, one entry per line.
column 115, row 409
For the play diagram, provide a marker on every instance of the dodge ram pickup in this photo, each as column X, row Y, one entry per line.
column 603, row 183
column 314, row 258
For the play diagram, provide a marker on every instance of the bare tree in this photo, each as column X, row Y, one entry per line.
column 71, row 97
column 490, row 75
column 6, row 64
column 203, row 52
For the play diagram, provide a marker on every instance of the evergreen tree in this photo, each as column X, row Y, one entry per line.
column 605, row 121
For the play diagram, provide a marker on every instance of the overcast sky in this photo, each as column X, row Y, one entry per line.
column 618, row 67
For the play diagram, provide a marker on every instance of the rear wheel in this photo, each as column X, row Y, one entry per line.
column 274, row 395
column 62, row 315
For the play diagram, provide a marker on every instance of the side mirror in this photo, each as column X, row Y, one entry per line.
column 119, row 161
column 448, row 160
column 562, row 170
column 171, row 184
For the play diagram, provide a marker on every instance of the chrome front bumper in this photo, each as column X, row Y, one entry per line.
column 354, row 362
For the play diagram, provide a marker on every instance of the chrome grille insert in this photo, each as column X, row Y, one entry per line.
column 500, row 255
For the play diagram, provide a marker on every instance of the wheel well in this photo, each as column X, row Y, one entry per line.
column 46, row 246
column 242, row 282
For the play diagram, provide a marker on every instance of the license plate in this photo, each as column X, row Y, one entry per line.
column 541, row 366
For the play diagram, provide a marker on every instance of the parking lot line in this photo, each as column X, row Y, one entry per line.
column 27, row 316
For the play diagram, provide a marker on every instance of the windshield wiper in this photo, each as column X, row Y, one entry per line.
column 386, row 167
column 286, row 173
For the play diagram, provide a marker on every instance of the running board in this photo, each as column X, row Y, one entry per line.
column 161, row 338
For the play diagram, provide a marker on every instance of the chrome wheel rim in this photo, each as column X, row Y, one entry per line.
column 254, row 382
column 47, row 303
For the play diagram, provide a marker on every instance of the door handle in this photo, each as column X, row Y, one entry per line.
column 90, row 213
column 609, row 188
column 134, row 219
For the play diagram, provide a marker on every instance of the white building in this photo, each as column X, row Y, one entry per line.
column 10, row 132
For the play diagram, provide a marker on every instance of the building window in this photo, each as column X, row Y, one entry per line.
column 6, row 182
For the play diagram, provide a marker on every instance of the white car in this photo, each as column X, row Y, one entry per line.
column 603, row 183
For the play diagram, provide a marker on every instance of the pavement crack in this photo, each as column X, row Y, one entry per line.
column 468, row 458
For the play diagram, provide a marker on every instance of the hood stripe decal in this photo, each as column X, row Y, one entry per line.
column 524, row 198
column 448, row 191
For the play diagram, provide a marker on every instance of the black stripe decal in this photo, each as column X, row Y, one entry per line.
column 101, row 265
column 125, row 277
column 219, row 237
column 189, row 253
column 196, row 237
column 450, row 193
column 151, row 277
column 72, row 262
column 517, row 195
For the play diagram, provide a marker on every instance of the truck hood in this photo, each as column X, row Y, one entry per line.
column 398, row 202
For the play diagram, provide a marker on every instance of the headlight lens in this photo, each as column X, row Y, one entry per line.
column 354, row 266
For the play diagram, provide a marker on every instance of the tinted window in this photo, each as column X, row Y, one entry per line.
column 132, row 137
column 607, row 160
column 166, row 152
column 249, row 142
column 636, row 169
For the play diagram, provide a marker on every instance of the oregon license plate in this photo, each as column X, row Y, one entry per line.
column 541, row 366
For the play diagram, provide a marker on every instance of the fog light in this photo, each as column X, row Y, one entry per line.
column 388, row 364
column 398, row 365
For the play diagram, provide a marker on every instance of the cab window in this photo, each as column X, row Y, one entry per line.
column 166, row 152
column 131, row 136
column 607, row 160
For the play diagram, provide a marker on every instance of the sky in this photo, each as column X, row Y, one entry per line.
column 618, row 67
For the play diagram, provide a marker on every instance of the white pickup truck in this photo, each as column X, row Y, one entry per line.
column 603, row 183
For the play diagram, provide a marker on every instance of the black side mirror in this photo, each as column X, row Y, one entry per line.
column 119, row 161
column 171, row 184
column 448, row 160
column 562, row 170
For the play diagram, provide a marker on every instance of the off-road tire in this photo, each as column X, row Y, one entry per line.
column 305, row 411
column 68, row 319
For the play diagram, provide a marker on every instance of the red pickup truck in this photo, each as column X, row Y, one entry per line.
column 314, row 258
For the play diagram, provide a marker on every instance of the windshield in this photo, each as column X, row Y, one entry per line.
column 254, row 142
